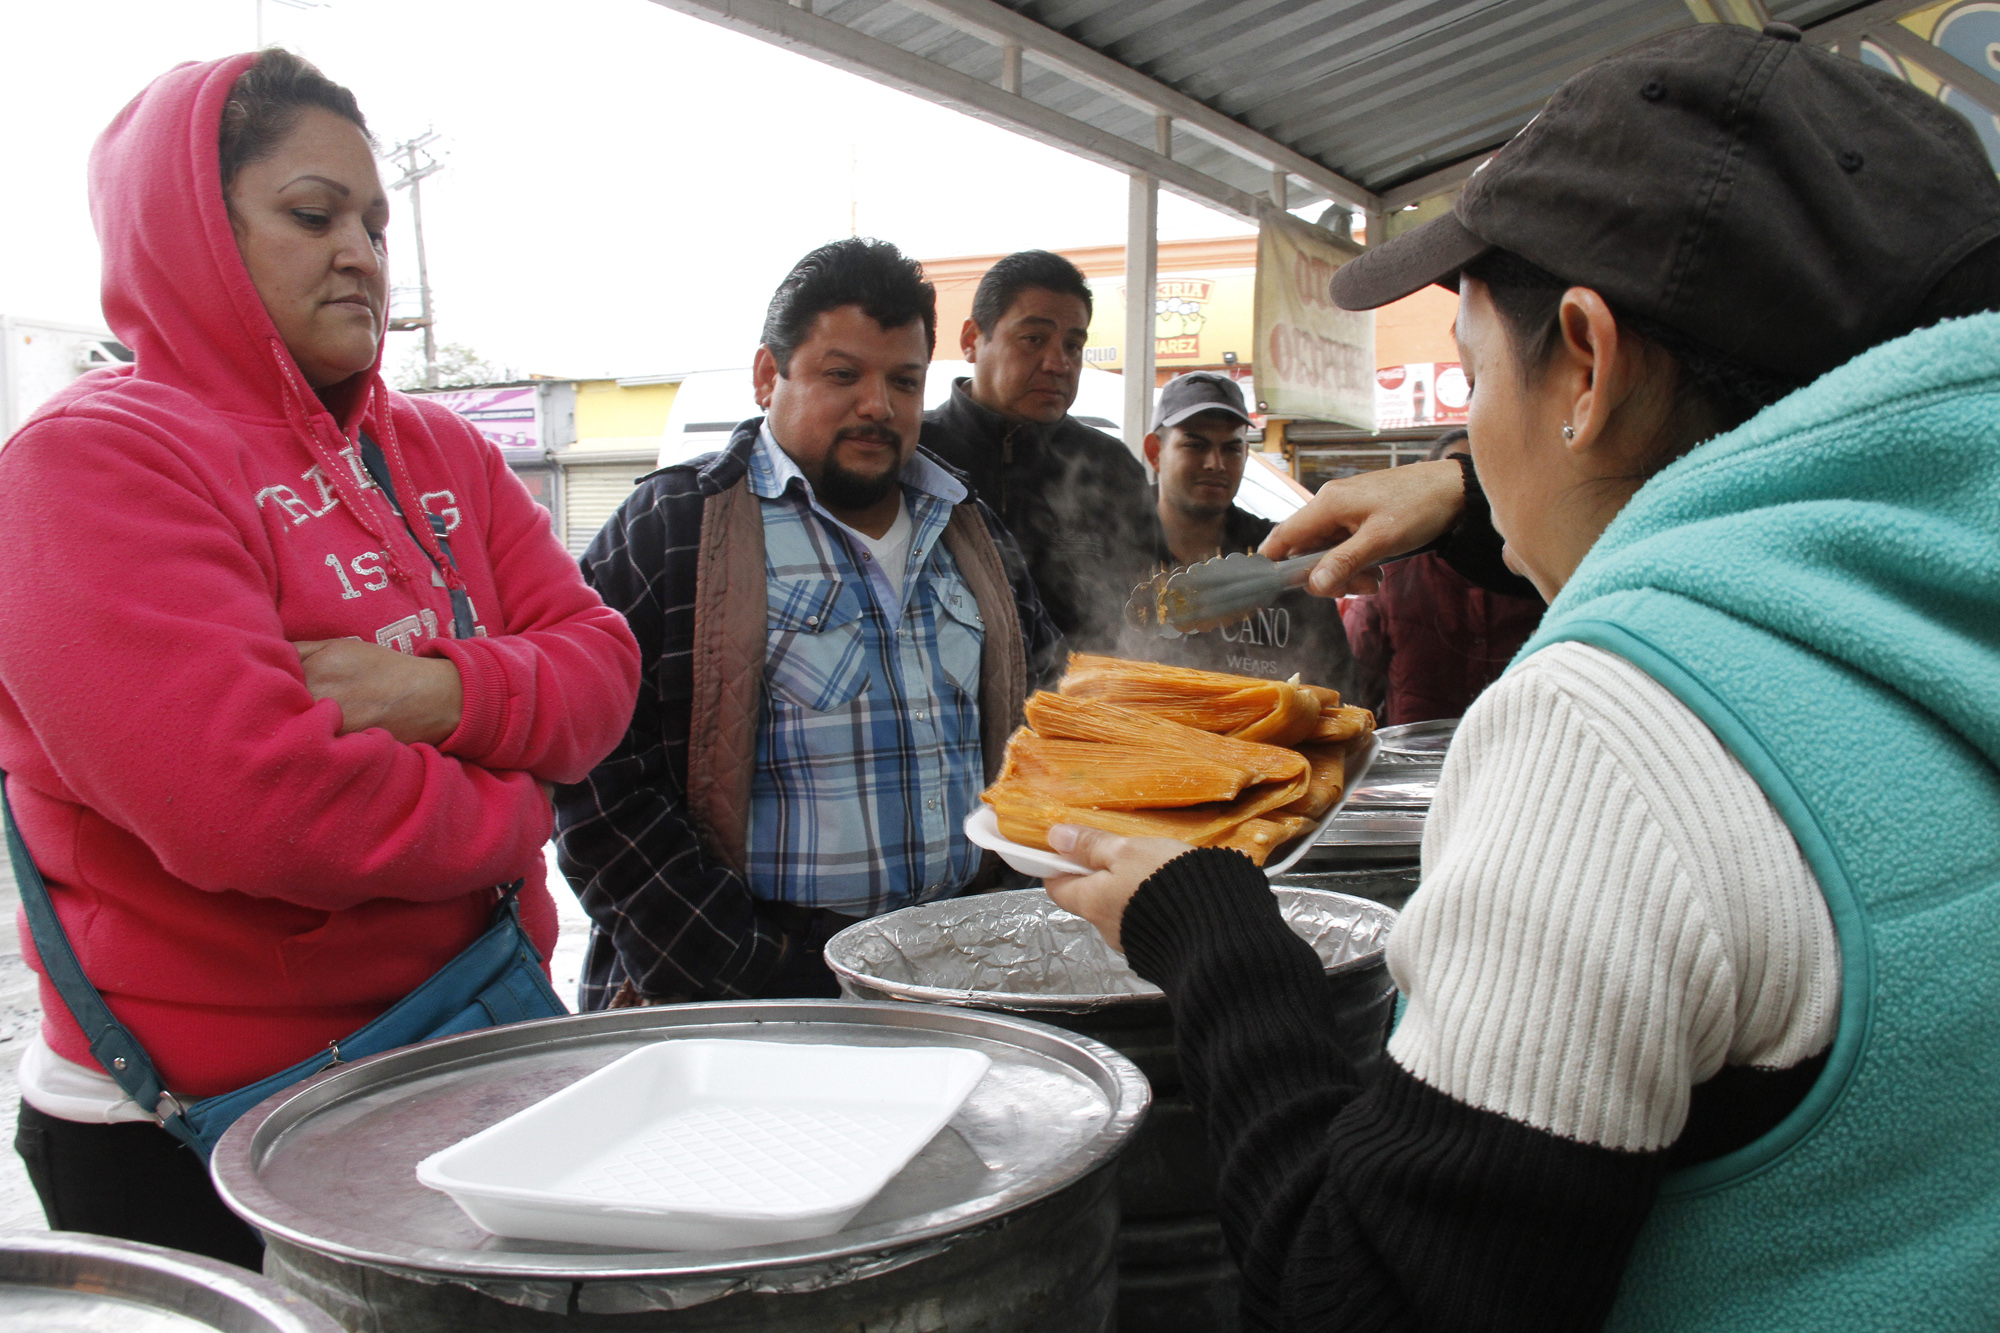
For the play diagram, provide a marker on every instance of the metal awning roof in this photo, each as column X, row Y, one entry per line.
column 1371, row 103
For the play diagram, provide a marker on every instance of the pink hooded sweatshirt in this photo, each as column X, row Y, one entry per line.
column 243, row 883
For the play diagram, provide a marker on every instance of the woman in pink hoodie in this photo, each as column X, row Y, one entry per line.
column 270, row 789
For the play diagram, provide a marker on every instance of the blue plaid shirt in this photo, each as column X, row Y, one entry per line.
column 868, row 752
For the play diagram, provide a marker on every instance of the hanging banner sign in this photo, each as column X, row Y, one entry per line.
column 1315, row 361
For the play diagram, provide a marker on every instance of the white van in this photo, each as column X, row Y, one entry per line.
column 709, row 405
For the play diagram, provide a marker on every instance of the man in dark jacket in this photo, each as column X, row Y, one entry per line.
column 1075, row 499
column 835, row 642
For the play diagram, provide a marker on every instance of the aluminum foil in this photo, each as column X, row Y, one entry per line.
column 1020, row 951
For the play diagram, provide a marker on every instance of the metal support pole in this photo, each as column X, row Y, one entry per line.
column 1142, row 240
column 1973, row 84
column 1010, row 70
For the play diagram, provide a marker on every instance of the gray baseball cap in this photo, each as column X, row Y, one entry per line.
column 1196, row 392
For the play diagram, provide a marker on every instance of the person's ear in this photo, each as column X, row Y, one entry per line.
column 1593, row 371
column 968, row 340
column 763, row 377
column 1152, row 450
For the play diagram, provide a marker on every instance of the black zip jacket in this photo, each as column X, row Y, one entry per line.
column 1074, row 499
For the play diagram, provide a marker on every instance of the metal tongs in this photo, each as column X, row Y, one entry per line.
column 1215, row 592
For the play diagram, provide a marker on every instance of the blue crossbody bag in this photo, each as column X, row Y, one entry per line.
column 496, row 980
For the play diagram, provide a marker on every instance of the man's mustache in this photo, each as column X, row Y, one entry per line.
column 870, row 434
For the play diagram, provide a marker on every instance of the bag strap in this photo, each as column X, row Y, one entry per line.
column 110, row 1041
column 377, row 464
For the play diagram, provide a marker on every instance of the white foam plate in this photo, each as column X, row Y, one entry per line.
column 708, row 1144
column 982, row 829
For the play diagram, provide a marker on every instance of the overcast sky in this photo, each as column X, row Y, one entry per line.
column 624, row 185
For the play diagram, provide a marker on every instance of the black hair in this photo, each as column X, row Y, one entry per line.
column 1020, row 272
column 1442, row 445
column 875, row 275
column 1713, row 391
column 265, row 105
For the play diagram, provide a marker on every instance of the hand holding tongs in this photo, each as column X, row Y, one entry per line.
column 1216, row 592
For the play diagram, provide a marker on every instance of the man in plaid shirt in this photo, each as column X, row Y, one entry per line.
column 836, row 643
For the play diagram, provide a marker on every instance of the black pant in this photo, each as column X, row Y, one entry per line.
column 804, row 974
column 132, row 1181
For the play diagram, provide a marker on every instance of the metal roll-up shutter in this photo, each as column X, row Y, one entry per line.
column 591, row 491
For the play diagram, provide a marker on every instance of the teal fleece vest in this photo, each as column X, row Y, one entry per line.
column 1822, row 588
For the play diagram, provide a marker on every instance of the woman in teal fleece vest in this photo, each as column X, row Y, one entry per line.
column 1702, row 1025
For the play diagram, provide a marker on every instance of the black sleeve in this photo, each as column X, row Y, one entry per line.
column 1046, row 649
column 681, row 921
column 1366, row 1204
column 1473, row 547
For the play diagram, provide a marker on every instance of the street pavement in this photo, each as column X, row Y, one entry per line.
column 20, row 1012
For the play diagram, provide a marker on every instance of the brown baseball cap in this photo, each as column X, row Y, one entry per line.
column 1770, row 200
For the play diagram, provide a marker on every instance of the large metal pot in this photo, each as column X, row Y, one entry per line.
column 67, row 1281
column 1004, row 1222
column 1018, row 952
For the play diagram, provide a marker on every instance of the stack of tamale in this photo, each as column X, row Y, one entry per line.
column 1163, row 751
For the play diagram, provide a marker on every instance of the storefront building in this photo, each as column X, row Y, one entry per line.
column 578, row 445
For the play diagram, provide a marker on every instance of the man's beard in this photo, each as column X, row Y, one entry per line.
column 1201, row 511
column 838, row 488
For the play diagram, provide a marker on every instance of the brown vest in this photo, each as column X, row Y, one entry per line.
column 729, row 636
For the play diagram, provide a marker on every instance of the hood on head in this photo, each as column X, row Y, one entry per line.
column 175, row 289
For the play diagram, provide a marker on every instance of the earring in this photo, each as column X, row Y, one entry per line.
column 1569, row 433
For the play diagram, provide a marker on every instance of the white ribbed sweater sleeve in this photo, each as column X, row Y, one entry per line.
column 1611, row 911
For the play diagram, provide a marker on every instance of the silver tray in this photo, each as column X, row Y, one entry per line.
column 330, row 1164
column 1419, row 740
column 1392, row 787
column 63, row 1280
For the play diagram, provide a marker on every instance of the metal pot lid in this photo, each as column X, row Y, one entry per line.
column 1375, row 828
column 1368, row 838
column 330, row 1164
column 79, row 1283
column 1018, row 950
column 1419, row 740
column 1391, row 787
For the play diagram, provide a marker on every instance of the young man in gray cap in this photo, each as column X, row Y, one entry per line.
column 1197, row 450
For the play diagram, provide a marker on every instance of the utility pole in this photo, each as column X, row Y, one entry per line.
column 413, row 174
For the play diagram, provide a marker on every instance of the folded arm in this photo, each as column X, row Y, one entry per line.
column 550, row 689
column 146, row 659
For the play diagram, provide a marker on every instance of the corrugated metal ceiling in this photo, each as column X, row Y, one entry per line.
column 1379, row 91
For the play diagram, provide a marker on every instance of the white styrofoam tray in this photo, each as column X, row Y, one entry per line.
column 708, row 1144
column 982, row 829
